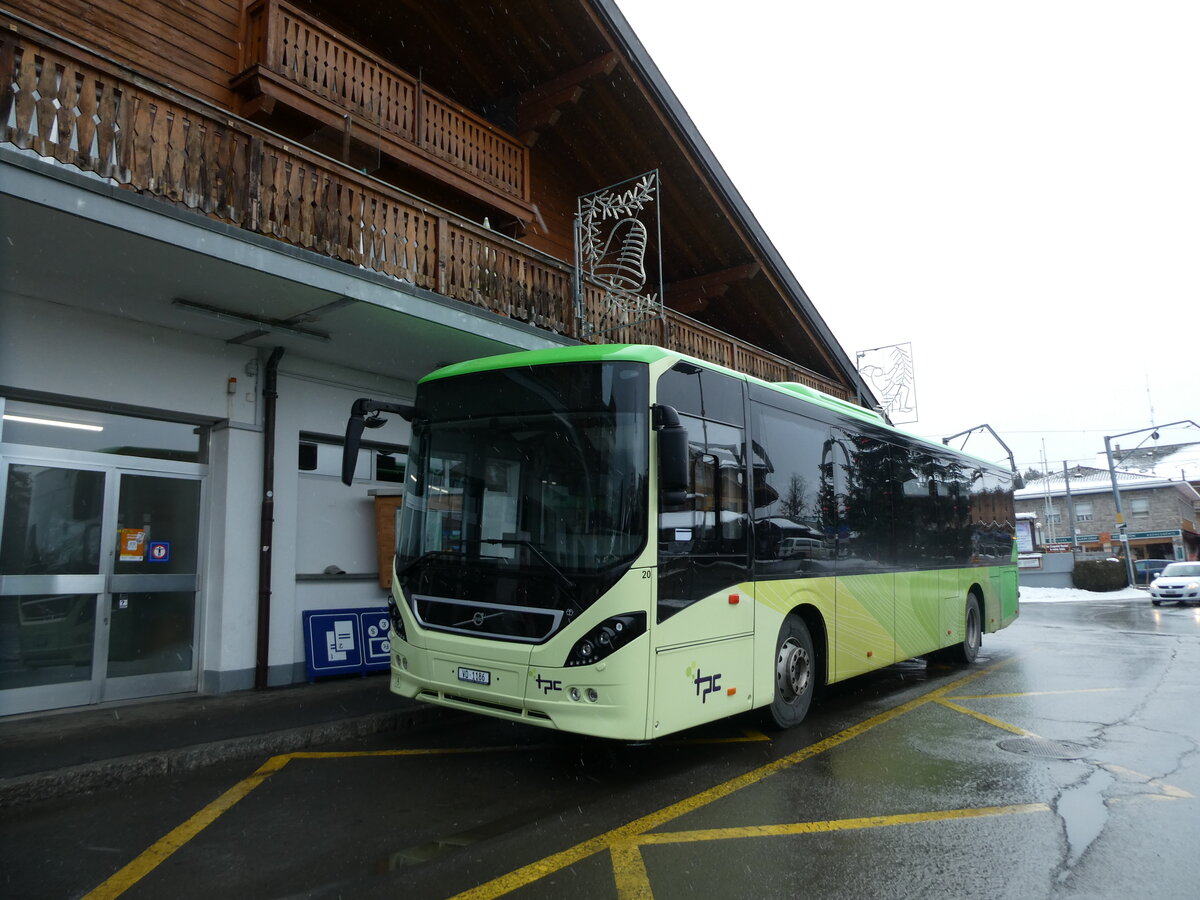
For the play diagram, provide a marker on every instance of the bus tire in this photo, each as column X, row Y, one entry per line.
column 795, row 674
column 964, row 653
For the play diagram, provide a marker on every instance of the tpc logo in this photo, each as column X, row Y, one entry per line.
column 710, row 684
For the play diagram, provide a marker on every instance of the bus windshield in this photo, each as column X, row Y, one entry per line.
column 526, row 487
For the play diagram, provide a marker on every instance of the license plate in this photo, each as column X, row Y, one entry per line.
column 475, row 676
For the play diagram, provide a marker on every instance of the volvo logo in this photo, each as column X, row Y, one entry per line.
column 477, row 619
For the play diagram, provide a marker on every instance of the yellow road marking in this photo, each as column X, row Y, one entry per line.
column 623, row 835
column 748, row 735
column 623, row 843
column 1169, row 791
column 988, row 719
column 794, row 828
column 157, row 853
column 629, row 871
column 1037, row 693
column 150, row 859
column 441, row 751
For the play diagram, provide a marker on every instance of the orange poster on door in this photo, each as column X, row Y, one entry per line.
column 133, row 544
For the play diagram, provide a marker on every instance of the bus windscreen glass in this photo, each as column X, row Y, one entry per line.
column 527, row 489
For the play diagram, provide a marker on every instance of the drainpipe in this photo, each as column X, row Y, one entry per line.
column 266, row 524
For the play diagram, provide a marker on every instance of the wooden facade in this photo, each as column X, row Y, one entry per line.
column 257, row 114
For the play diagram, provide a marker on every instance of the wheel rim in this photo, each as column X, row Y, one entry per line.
column 792, row 670
column 973, row 627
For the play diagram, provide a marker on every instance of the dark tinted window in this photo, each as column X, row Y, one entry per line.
column 704, row 393
column 795, row 515
column 863, row 475
column 993, row 521
column 704, row 543
column 934, row 518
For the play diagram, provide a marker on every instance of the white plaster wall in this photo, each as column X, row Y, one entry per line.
column 337, row 524
column 81, row 355
column 231, row 576
column 49, row 347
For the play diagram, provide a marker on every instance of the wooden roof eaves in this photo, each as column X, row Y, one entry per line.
column 609, row 16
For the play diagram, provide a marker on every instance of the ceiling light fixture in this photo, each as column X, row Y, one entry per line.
column 33, row 420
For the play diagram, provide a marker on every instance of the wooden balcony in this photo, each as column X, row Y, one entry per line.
column 82, row 110
column 298, row 61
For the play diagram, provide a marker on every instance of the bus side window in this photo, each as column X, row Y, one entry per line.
column 864, row 482
column 795, row 518
column 704, row 542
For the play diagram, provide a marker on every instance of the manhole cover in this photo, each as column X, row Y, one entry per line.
column 1044, row 749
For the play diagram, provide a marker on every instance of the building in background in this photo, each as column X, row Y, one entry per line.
column 222, row 224
column 1160, row 513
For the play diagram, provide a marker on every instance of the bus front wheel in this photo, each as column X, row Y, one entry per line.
column 795, row 676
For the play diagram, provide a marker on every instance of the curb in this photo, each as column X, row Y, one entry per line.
column 43, row 786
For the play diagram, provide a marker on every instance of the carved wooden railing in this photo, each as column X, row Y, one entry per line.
column 282, row 44
column 80, row 109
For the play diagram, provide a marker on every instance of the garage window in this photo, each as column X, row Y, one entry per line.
column 320, row 455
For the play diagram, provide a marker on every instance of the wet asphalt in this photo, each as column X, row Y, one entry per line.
column 1063, row 764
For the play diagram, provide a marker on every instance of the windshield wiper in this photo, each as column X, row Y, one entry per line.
column 525, row 542
column 427, row 555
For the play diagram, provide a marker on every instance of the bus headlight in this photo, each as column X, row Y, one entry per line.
column 397, row 620
column 606, row 638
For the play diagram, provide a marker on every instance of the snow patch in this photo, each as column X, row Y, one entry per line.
column 1072, row 595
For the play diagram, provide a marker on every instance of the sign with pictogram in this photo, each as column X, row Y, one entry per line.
column 159, row 552
column 132, row 544
column 344, row 641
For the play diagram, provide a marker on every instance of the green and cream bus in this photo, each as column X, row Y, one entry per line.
column 622, row 541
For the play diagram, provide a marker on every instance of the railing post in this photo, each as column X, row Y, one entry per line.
column 269, row 29
column 8, row 61
column 419, row 114
column 254, row 169
column 443, row 261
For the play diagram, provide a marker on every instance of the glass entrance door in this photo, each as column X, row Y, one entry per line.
column 151, row 597
column 97, row 584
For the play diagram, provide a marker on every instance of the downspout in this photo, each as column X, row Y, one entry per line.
column 266, row 525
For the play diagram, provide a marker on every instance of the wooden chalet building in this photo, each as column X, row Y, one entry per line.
column 221, row 222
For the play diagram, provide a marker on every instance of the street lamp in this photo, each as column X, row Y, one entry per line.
column 1123, row 534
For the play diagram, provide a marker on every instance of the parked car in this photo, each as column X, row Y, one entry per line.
column 1180, row 581
column 1146, row 570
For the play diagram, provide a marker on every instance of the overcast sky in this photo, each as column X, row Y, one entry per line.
column 1014, row 188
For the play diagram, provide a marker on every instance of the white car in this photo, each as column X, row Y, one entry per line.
column 1179, row 582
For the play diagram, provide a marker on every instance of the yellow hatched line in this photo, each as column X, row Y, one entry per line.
column 622, row 842
column 1038, row 693
column 628, row 869
column 749, row 735
column 1169, row 791
column 795, row 828
column 139, row 868
column 152, row 857
column 988, row 719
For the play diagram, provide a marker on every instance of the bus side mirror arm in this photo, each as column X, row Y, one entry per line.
column 672, row 455
column 365, row 414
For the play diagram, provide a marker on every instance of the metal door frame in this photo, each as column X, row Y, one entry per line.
column 99, row 687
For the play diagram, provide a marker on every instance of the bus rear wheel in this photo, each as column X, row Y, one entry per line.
column 795, row 675
column 964, row 653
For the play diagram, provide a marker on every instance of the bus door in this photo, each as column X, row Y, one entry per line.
column 703, row 622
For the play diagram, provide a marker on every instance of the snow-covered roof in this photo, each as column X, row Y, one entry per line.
column 1177, row 461
column 1089, row 480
